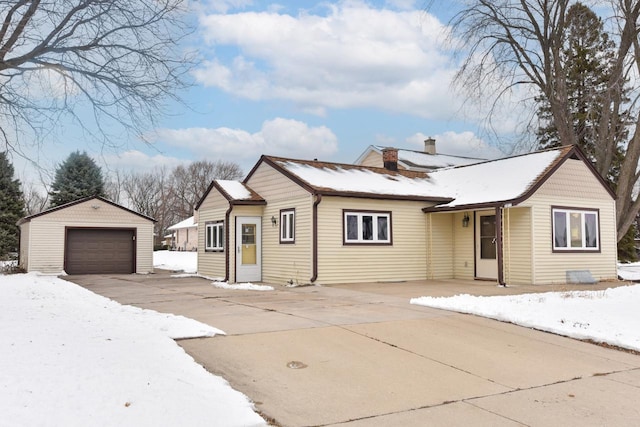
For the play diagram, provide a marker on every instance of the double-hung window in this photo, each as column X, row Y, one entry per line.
column 214, row 237
column 367, row 227
column 575, row 230
column 287, row 226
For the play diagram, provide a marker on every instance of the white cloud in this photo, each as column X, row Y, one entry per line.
column 223, row 6
column 352, row 56
column 280, row 137
column 137, row 161
column 465, row 144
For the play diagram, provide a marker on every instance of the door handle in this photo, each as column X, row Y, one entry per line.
column 493, row 240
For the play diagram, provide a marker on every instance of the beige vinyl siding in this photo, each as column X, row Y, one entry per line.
column 440, row 243
column 186, row 239
column 47, row 234
column 517, row 242
column 373, row 159
column 252, row 211
column 573, row 185
column 213, row 208
column 291, row 262
column 463, row 241
column 405, row 259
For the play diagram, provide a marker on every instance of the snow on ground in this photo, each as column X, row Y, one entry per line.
column 629, row 271
column 71, row 357
column 243, row 286
column 609, row 316
column 176, row 261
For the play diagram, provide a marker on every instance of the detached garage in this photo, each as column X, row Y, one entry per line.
column 88, row 236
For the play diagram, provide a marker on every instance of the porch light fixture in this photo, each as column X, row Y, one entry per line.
column 274, row 221
column 465, row 220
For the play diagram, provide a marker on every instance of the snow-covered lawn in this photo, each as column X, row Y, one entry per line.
column 183, row 261
column 71, row 357
column 609, row 316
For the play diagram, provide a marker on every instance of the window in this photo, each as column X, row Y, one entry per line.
column 214, row 237
column 287, row 226
column 575, row 230
column 367, row 227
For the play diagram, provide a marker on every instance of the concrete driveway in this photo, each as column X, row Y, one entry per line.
column 361, row 355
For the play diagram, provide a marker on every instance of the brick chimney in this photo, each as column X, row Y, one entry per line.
column 390, row 158
column 430, row 146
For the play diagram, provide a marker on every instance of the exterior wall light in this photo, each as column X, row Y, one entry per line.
column 465, row 220
column 274, row 221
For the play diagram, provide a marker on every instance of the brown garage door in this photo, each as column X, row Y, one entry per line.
column 99, row 251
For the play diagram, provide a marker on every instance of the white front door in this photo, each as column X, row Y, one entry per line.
column 248, row 249
column 486, row 254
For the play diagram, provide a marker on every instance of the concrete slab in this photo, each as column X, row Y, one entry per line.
column 453, row 414
column 510, row 355
column 347, row 376
column 373, row 359
column 594, row 401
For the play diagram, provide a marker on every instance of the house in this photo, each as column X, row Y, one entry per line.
column 88, row 236
column 526, row 219
column 185, row 235
column 412, row 160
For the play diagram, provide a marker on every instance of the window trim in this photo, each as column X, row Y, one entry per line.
column 291, row 213
column 581, row 211
column 214, row 224
column 360, row 213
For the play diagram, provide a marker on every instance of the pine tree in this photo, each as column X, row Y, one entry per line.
column 587, row 57
column 77, row 177
column 11, row 207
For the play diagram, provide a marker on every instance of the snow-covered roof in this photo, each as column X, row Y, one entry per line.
column 187, row 223
column 235, row 192
column 235, row 189
column 422, row 161
column 493, row 181
column 359, row 180
column 488, row 182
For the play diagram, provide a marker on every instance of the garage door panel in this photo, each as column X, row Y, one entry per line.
column 100, row 251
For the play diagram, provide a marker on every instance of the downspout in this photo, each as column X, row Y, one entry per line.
column 314, row 239
column 227, row 254
column 499, row 247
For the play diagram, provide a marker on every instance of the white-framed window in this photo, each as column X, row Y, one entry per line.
column 288, row 226
column 214, row 236
column 575, row 229
column 367, row 227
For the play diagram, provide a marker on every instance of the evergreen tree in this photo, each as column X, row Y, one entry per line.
column 11, row 207
column 587, row 58
column 76, row 178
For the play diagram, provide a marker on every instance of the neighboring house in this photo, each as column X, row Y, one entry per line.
column 412, row 160
column 185, row 235
column 521, row 220
column 91, row 235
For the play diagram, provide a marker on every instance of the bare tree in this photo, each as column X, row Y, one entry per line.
column 511, row 43
column 35, row 201
column 107, row 65
column 189, row 183
column 148, row 194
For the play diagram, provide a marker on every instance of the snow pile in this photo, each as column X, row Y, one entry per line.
column 242, row 286
column 629, row 271
column 609, row 316
column 176, row 261
column 71, row 357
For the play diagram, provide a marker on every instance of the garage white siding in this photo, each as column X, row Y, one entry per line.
column 43, row 235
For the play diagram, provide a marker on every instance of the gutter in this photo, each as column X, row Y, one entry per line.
column 499, row 246
column 314, row 238
column 227, row 253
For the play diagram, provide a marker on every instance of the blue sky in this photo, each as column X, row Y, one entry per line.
column 307, row 79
